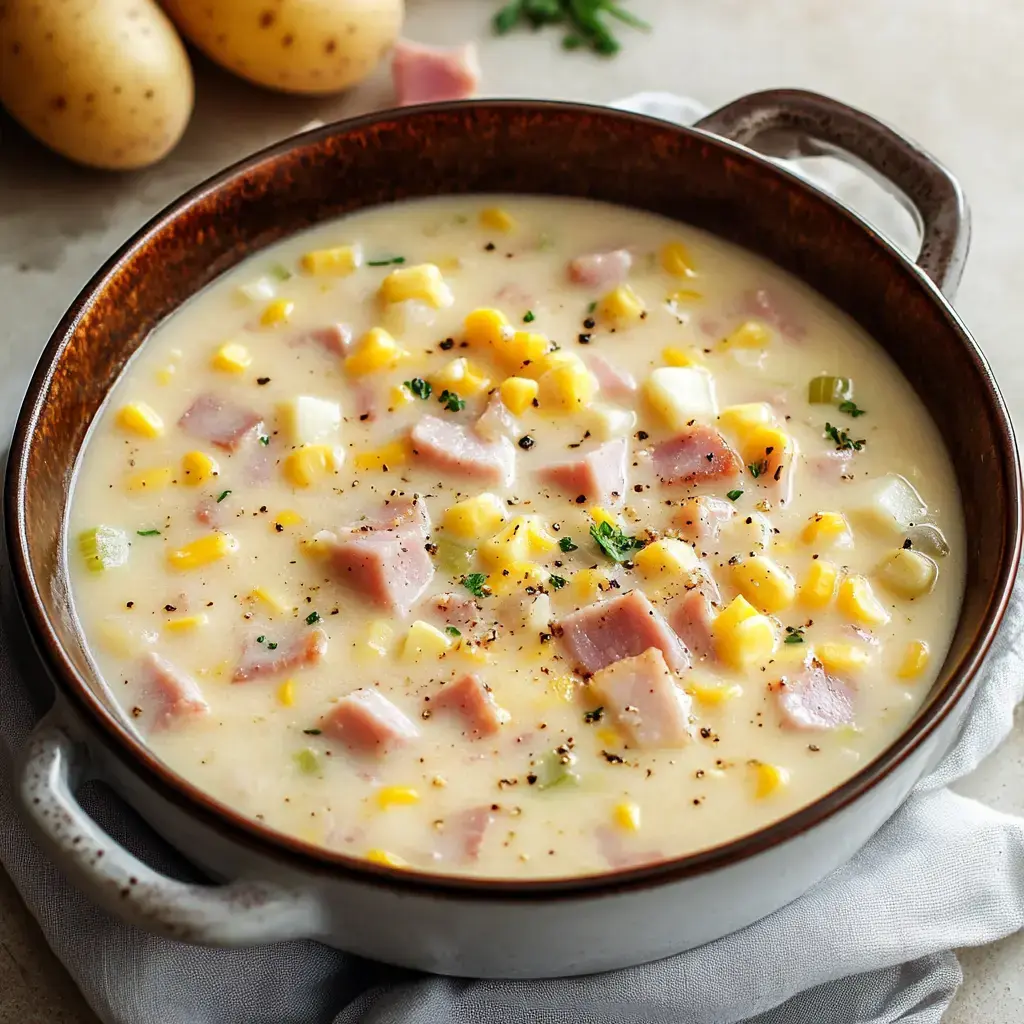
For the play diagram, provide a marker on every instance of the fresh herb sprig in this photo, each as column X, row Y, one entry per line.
column 613, row 542
column 586, row 22
column 842, row 439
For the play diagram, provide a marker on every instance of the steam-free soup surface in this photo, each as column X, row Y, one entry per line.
column 514, row 537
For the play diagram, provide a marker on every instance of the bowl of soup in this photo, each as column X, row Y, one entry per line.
column 509, row 539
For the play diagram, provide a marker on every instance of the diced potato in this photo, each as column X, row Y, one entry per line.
column 767, row 448
column 391, row 860
column 424, row 641
column 752, row 334
column 768, row 779
column 857, row 601
column 713, row 696
column 186, row 623
column 117, row 638
column 908, row 573
column 308, row 420
column 197, row 468
column 202, row 551
column 764, row 583
column 819, row 585
column 914, row 661
column 675, row 259
column 312, row 463
column 892, row 506
column 824, row 529
column 139, row 418
column 497, row 219
column 271, row 602
column 394, row 453
column 744, row 420
column 104, row 547
column 843, row 658
column 487, row 327
column 341, row 260
column 607, row 421
column 512, row 575
column 523, row 353
column 621, row 305
column 259, row 290
column 374, row 352
column 396, row 796
column 667, row 559
column 518, row 394
column 286, row 693
column 627, row 816
column 679, row 394
column 277, row 312
column 475, row 518
column 462, row 377
column 588, row 585
column 232, row 357
column 424, row 283
column 743, row 637
column 673, row 356
column 378, row 639
column 155, row 479
column 567, row 385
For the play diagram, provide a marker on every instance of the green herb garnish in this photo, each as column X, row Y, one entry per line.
column 264, row 439
column 271, row 646
column 852, row 409
column 222, row 496
column 842, row 439
column 282, row 273
column 452, row 631
column 451, row 401
column 553, row 769
column 557, row 582
column 391, row 261
column 313, row 617
column 148, row 533
column 592, row 306
column 311, row 732
column 757, row 468
column 794, row 635
column 594, row 716
column 419, row 387
column 734, row 495
column 613, row 542
column 475, row 583
column 566, row 544
column 528, row 317
column 261, row 639
column 584, row 21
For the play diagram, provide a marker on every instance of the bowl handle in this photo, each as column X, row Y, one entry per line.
column 242, row 913
column 789, row 123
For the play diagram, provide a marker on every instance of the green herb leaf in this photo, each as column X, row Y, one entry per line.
column 757, row 468
column 566, row 544
column 851, row 409
column 734, row 495
column 451, row 401
column 261, row 639
column 419, row 387
column 842, row 439
column 528, row 317
column 452, row 631
column 222, row 496
column 592, row 306
column 264, row 439
column 282, row 273
column 507, row 18
column 148, row 533
column 626, row 17
column 391, row 261
column 311, row 732
column 313, row 617
column 594, row 716
column 794, row 635
column 475, row 583
column 271, row 646
column 613, row 542
column 557, row 582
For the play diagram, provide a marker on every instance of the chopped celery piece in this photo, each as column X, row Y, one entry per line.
column 282, row 273
column 308, row 762
column 452, row 558
column 556, row 768
column 827, row 390
column 103, row 547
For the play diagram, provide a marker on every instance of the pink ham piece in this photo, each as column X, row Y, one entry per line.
column 834, row 466
column 335, row 339
column 691, row 618
column 474, row 703
column 620, row 627
column 698, row 454
column 767, row 306
column 385, row 559
column 459, row 611
column 429, row 74
column 811, row 699
column 366, row 722
column 613, row 381
column 219, row 421
column 261, row 659
column 174, row 694
column 700, row 520
column 641, row 694
column 461, row 836
column 600, row 475
column 449, row 447
column 615, row 846
column 208, row 512
column 601, row 269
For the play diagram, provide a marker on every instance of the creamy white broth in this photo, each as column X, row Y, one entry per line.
column 450, row 799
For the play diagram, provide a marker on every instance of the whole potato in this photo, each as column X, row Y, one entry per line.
column 304, row 46
column 105, row 82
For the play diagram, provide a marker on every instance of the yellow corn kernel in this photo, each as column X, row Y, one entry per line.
column 513, row 575
column 150, row 479
column 523, row 353
column 378, row 639
column 567, row 385
column 825, row 528
column 198, row 467
column 186, row 623
column 742, row 636
column 286, row 517
column 842, row 658
column 424, row 283
column 286, row 694
column 397, row 796
column 666, row 559
column 277, row 312
column 562, row 687
column 399, row 396
column 318, row 546
column 518, row 394
column 165, row 375
column 675, row 259
column 627, row 816
column 683, row 295
column 341, row 260
column 602, row 515
column 475, row 518
column 424, row 641
column 388, row 456
column 231, row 358
column 751, row 334
column 914, row 661
column 375, row 351
column 744, row 420
column 139, row 418
column 461, row 376
column 307, row 465
column 819, row 585
column 271, row 601
column 621, row 305
column 476, row 653
column 608, row 737
column 764, row 583
column 588, row 585
column 524, row 539
column 497, row 219
column 487, row 327
column 391, row 860
column 713, row 696
column 768, row 778
column 673, row 356
column 202, row 551
column 767, row 448
column 858, row 603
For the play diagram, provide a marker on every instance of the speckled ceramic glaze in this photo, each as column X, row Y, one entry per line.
column 278, row 887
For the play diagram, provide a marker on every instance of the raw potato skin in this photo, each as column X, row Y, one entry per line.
column 300, row 46
column 104, row 82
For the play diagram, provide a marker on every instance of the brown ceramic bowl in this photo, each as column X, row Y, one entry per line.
column 277, row 886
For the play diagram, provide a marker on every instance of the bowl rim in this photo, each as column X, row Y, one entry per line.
column 307, row 857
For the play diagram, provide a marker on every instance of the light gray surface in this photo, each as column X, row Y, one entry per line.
column 947, row 72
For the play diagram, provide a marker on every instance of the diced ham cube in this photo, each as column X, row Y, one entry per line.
column 495, row 421
column 385, row 559
column 599, row 475
column 219, row 421
column 812, row 699
column 366, row 401
column 335, row 339
column 449, row 447
column 698, row 454
column 691, row 618
column 834, row 465
column 474, row 703
column 641, row 694
column 617, row 848
column 601, row 269
column 274, row 656
column 174, row 695
column 366, row 722
column 458, row 611
column 700, row 519
column 613, row 381
column 208, row 512
column 429, row 74
column 620, row 627
column 768, row 306
column 460, row 836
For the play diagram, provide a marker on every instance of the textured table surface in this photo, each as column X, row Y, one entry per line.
column 947, row 72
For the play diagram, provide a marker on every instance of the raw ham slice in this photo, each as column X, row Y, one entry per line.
column 601, row 269
column 474, row 703
column 451, row 448
column 698, row 454
column 366, row 722
column 175, row 695
column 613, row 381
column 811, row 699
column 429, row 74
column 599, row 475
column 272, row 657
column 219, row 421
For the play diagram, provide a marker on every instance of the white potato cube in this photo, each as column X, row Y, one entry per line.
column 892, row 506
column 607, row 421
column 308, row 420
column 261, row 290
column 679, row 394
column 908, row 573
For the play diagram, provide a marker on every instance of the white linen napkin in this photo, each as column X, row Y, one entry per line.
column 868, row 945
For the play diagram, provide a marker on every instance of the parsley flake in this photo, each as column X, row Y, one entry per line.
column 222, row 496
column 757, row 468
column 312, row 617
column 566, row 544
column 852, row 409
column 475, row 583
column 419, row 387
column 390, row 261
column 528, row 317
column 613, row 542
column 311, row 732
column 452, row 631
column 264, row 439
column 271, row 646
column 794, row 635
column 451, row 401
column 148, row 533
column 557, row 582
column 594, row 716
column 281, row 272
column 842, row 439
column 261, row 639
column 734, row 495
column 592, row 306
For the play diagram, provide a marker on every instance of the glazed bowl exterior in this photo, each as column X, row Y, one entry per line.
column 268, row 886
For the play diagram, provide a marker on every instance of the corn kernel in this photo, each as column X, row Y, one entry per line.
column 475, row 653
column 277, row 312
column 819, row 585
column 198, row 467
column 375, row 351
column 271, row 601
column 286, row 693
column 768, row 779
column 666, row 559
column 523, row 353
column 379, row 636
column 767, row 448
column 202, row 551
column 397, row 796
column 341, row 260
column 139, row 418
column 524, row 539
column 825, row 528
column 185, row 623
column 231, row 358
column 150, row 479
column 513, row 575
column 627, row 816
column 567, row 385
column 475, row 518
column 487, row 327
column 497, row 219
column 388, row 456
column 744, row 420
column 318, row 546
column 424, row 641
column 751, row 334
column 518, row 394
column 914, row 661
column 713, row 696
column 311, row 463
column 842, row 658
column 399, row 396
column 563, row 687
column 673, row 356
column 858, row 603
column 461, row 376
column 675, row 259
column 286, row 517
column 588, row 585
column 621, row 305
column 602, row 515
column 682, row 296
column 424, row 283
column 608, row 737
column 764, row 583
column 742, row 637
column 391, row 860
column 165, row 375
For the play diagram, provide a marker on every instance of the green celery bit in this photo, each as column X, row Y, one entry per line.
column 308, row 762
column 826, row 390
column 103, row 547
column 452, row 558
column 555, row 769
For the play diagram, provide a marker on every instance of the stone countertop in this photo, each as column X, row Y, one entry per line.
column 946, row 72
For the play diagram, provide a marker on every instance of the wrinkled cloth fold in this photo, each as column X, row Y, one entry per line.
column 868, row 945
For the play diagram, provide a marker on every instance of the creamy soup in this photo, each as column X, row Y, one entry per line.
column 514, row 537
